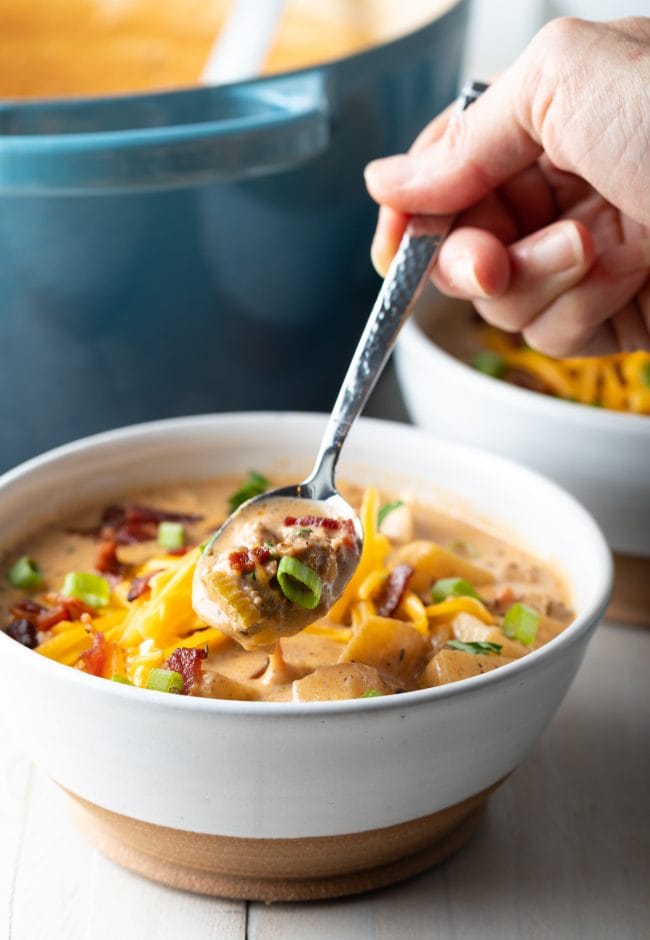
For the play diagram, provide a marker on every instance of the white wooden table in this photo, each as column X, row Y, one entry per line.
column 563, row 852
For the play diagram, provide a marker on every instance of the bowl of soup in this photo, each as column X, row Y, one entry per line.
column 584, row 424
column 353, row 754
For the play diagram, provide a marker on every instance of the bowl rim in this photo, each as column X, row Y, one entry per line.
column 574, row 633
column 415, row 337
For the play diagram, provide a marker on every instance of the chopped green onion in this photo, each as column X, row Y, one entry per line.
column 255, row 485
column 165, row 680
column 520, row 623
column 490, row 363
column 304, row 533
column 171, row 535
column 90, row 588
column 644, row 373
column 299, row 583
column 476, row 647
column 386, row 510
column 371, row 693
column 452, row 587
column 121, row 679
column 26, row 574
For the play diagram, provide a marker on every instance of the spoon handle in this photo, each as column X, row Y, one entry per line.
column 402, row 286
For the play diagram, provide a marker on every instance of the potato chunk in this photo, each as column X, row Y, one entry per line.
column 432, row 562
column 470, row 630
column 452, row 665
column 339, row 681
column 393, row 647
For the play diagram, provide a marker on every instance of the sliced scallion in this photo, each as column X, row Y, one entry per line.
column 25, row 574
column 165, row 680
column 371, row 693
column 452, row 587
column 520, row 623
column 171, row 535
column 299, row 583
column 644, row 374
column 475, row 646
column 386, row 510
column 490, row 363
column 121, row 679
column 87, row 587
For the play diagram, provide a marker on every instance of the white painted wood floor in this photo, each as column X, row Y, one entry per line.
column 564, row 851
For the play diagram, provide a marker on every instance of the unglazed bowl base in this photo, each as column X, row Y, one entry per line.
column 305, row 869
column 631, row 598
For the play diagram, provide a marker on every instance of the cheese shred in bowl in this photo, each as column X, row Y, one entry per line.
column 434, row 599
column 619, row 382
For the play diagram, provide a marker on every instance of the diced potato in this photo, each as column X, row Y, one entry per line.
column 340, row 681
column 398, row 525
column 547, row 629
column 431, row 562
column 391, row 646
column 470, row 630
column 452, row 665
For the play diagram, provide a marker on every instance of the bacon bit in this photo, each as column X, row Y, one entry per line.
column 44, row 618
column 106, row 560
column 504, row 600
column 314, row 521
column 93, row 660
column 187, row 662
column 244, row 560
column 141, row 585
column 393, row 590
column 132, row 523
column 178, row 552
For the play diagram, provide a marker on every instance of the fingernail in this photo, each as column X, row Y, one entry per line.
column 463, row 277
column 632, row 258
column 379, row 257
column 558, row 250
column 389, row 173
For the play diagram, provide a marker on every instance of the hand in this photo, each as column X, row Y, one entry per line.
column 550, row 172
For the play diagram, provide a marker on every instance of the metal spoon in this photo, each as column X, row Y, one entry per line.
column 399, row 292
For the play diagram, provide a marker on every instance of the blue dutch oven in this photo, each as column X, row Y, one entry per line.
column 198, row 250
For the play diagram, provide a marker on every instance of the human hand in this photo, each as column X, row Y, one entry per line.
column 550, row 172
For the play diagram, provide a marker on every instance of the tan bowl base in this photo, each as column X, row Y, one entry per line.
column 631, row 598
column 268, row 870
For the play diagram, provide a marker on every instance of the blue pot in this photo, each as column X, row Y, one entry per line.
column 198, row 250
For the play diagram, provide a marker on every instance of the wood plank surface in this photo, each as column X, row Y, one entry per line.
column 564, row 850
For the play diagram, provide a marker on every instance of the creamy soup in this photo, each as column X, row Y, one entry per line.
column 279, row 565
column 433, row 599
column 86, row 47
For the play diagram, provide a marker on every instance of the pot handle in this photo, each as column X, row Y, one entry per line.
column 167, row 140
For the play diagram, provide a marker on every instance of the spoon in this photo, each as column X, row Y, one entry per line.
column 240, row 50
column 316, row 497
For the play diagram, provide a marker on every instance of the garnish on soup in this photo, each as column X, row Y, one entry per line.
column 103, row 594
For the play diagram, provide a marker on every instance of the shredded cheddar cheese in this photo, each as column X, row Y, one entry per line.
column 619, row 382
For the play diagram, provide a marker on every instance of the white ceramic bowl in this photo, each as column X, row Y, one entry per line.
column 602, row 457
column 287, row 800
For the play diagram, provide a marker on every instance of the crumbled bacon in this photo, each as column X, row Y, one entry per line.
column 132, row 523
column 44, row 618
column 504, row 600
column 244, row 560
column 106, row 560
column 23, row 632
column 393, row 590
column 187, row 662
column 93, row 660
column 321, row 522
column 140, row 585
